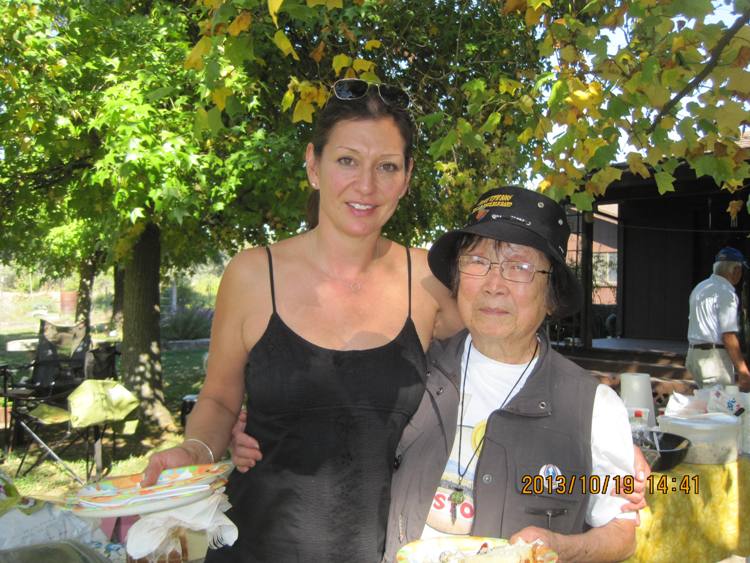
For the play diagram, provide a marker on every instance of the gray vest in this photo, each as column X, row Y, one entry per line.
column 547, row 426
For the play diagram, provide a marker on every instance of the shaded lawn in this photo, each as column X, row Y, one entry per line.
column 183, row 375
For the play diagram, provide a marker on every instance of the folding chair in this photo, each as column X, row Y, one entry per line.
column 58, row 367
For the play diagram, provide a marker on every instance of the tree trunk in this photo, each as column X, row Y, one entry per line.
column 87, row 273
column 141, row 348
column 117, row 300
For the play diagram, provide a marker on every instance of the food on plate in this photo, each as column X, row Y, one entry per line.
column 474, row 549
column 510, row 553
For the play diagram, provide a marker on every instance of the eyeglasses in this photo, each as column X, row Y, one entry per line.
column 355, row 88
column 511, row 270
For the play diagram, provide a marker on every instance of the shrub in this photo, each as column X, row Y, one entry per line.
column 187, row 324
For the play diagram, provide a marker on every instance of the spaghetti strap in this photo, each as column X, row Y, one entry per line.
column 408, row 269
column 270, row 273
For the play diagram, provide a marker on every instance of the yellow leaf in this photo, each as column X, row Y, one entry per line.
column 571, row 171
column 303, row 111
column 543, row 127
column 743, row 57
column 513, row 6
column 283, row 43
column 591, row 145
column 361, row 65
column 509, row 86
column 635, row 163
column 323, row 94
column 526, row 103
column 533, row 16
column 735, row 206
column 241, row 23
column 273, row 8
column 195, row 58
column 569, row 54
column 9, row 79
column 219, row 97
column 678, row 43
column 739, row 80
column 373, row 44
column 287, row 100
column 331, row 4
column 370, row 77
column 313, row 3
column 526, row 136
column 213, row 4
column 587, row 97
column 730, row 116
column 308, row 92
column 317, row 53
column 507, row 119
column 341, row 61
column 350, row 73
column 604, row 177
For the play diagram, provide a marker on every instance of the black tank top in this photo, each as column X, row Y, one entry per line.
column 328, row 423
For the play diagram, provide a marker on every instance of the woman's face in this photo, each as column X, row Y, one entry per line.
column 502, row 314
column 361, row 174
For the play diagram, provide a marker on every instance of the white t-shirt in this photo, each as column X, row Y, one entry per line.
column 713, row 310
column 487, row 385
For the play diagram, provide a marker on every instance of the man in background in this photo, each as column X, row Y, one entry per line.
column 714, row 355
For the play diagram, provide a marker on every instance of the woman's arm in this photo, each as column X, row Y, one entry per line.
column 438, row 303
column 239, row 320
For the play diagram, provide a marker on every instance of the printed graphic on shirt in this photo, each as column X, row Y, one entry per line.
column 452, row 510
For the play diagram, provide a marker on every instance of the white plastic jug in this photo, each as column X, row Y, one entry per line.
column 635, row 391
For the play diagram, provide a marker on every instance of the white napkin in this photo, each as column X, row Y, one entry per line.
column 150, row 531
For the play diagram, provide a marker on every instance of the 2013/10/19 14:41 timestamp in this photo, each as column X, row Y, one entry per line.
column 660, row 483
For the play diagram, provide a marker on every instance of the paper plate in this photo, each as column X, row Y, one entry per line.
column 429, row 550
column 146, row 506
column 123, row 496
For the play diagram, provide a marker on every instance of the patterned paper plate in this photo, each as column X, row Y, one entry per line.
column 429, row 550
column 121, row 496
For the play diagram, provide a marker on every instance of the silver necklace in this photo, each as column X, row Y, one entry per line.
column 458, row 496
column 353, row 285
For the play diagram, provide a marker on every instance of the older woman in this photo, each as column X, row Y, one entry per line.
column 519, row 438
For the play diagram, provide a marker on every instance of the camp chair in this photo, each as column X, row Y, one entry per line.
column 92, row 408
column 59, row 365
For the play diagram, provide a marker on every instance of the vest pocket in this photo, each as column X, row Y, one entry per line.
column 550, row 496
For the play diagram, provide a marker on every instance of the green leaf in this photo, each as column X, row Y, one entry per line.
column 603, row 156
column 694, row 8
column 616, row 107
column 583, row 201
column 214, row 121
column 444, row 144
column 558, row 93
column 239, row 49
column 159, row 93
column 432, row 118
column 493, row 120
column 664, row 182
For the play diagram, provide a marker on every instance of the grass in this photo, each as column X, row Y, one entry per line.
column 183, row 374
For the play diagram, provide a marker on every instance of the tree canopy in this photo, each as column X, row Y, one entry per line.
column 508, row 90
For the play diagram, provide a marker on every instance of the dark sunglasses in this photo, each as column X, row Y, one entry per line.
column 356, row 88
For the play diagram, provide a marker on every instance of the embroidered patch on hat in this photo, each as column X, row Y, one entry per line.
column 496, row 200
column 480, row 214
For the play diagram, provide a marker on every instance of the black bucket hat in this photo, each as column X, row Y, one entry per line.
column 520, row 216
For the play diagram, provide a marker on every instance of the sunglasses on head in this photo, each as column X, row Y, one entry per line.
column 355, row 88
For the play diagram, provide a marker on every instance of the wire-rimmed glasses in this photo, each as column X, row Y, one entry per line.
column 511, row 270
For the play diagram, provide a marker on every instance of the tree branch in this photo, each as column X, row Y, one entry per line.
column 710, row 65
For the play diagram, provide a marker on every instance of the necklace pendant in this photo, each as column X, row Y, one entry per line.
column 456, row 498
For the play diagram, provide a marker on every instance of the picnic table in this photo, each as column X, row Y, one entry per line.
column 696, row 513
